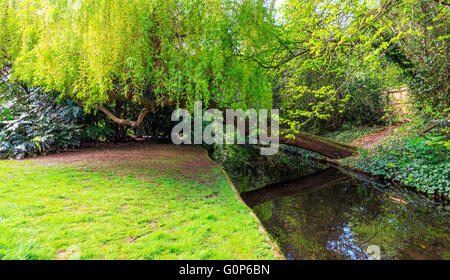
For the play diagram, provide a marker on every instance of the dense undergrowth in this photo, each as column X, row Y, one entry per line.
column 348, row 133
column 34, row 122
column 419, row 162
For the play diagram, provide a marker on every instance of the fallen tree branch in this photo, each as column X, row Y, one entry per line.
column 433, row 126
column 320, row 145
column 307, row 141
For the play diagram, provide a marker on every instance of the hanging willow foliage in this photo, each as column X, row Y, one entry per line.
column 148, row 51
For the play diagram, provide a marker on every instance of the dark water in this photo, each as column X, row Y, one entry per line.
column 329, row 215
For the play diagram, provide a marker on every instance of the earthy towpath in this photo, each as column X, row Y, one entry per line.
column 370, row 140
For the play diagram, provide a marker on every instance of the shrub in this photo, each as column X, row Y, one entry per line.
column 34, row 122
column 157, row 124
column 366, row 104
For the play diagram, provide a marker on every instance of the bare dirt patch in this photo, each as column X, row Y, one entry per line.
column 370, row 140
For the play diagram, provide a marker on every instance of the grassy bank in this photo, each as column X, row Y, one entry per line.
column 420, row 162
column 171, row 205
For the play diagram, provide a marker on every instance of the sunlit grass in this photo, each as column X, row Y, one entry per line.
column 66, row 212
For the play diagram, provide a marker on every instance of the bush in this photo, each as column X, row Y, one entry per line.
column 157, row 124
column 34, row 122
column 366, row 105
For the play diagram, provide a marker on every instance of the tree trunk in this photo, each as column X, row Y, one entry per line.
column 303, row 140
column 320, row 145
column 433, row 126
column 308, row 141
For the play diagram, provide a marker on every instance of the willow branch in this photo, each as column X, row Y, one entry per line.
column 132, row 124
column 433, row 126
column 148, row 106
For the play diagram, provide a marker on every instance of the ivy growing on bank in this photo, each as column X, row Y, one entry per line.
column 419, row 162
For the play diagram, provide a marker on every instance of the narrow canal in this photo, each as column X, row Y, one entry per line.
column 329, row 215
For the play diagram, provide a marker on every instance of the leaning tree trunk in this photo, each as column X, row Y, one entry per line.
column 307, row 141
column 320, row 145
column 304, row 140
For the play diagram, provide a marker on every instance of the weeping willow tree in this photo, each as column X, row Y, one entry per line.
column 149, row 52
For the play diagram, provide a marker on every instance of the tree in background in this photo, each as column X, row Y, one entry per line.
column 150, row 53
column 421, row 32
column 326, row 49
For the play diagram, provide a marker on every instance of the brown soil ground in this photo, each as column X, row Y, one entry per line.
column 127, row 151
column 186, row 159
column 144, row 160
column 370, row 140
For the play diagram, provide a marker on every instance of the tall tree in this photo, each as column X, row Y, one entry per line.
column 324, row 44
column 150, row 52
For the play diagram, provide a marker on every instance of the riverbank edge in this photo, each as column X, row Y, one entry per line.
column 275, row 247
column 272, row 242
column 342, row 165
column 369, row 142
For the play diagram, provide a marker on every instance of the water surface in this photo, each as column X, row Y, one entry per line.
column 329, row 215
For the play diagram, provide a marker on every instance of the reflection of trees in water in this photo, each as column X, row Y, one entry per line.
column 249, row 170
column 341, row 221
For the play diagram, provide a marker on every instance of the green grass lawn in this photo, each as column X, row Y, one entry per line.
column 62, row 211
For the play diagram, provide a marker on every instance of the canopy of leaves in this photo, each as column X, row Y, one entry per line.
column 99, row 51
column 323, row 46
column 234, row 54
